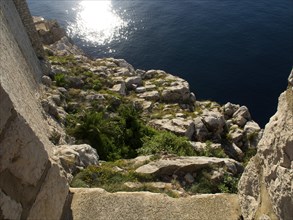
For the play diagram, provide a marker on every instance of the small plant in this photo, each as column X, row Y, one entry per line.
column 60, row 80
column 229, row 184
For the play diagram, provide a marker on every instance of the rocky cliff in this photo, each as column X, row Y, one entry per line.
column 79, row 99
column 265, row 188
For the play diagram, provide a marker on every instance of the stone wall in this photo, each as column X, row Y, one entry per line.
column 31, row 186
column 28, row 23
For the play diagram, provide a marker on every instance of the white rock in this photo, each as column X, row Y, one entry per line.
column 131, row 82
column 120, row 88
column 46, row 80
column 151, row 96
column 169, row 166
column 140, row 89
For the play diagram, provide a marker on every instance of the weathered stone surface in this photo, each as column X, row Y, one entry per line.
column 178, row 126
column 64, row 47
column 46, row 80
column 214, row 122
column 187, row 165
column 201, row 131
column 25, row 148
column 75, row 157
column 93, row 203
column 120, row 88
column 48, row 30
column 132, row 82
column 236, row 135
column 50, row 200
column 265, row 187
column 18, row 150
column 178, row 93
column 251, row 127
column 202, row 147
column 9, row 208
column 152, row 95
column 229, row 109
column 241, row 116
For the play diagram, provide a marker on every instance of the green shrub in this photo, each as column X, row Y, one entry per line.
column 228, row 184
column 167, row 142
column 115, row 137
column 60, row 80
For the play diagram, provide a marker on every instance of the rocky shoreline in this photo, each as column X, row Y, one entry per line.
column 77, row 84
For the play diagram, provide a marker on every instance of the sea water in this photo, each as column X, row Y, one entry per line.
column 228, row 50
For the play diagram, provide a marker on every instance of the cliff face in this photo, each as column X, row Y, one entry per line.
column 265, row 188
column 30, row 182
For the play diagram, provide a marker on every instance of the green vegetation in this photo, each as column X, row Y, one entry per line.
column 166, row 142
column 212, row 152
column 113, row 176
column 60, row 80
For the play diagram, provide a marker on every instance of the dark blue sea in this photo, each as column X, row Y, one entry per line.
column 228, row 50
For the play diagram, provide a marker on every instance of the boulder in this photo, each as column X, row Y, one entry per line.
column 178, row 93
column 265, row 187
column 122, row 72
column 141, row 89
column 170, row 166
column 120, row 88
column 229, row 109
column 178, row 126
column 214, row 122
column 151, row 96
column 133, row 82
column 201, row 132
column 124, row 64
column 236, row 135
column 241, row 116
column 251, row 127
column 47, row 81
column 149, row 74
column 76, row 157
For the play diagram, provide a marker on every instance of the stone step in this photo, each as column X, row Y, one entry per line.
column 96, row 203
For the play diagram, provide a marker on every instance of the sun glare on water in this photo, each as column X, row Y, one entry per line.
column 97, row 22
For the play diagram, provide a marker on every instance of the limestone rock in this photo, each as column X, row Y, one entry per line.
column 187, row 165
column 9, row 208
column 75, row 157
column 92, row 203
column 229, row 109
column 177, row 93
column 201, row 131
column 133, row 82
column 46, row 80
column 49, row 30
column 214, row 122
column 241, row 116
column 46, row 205
column 178, row 126
column 120, row 88
column 265, row 187
column 151, row 96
